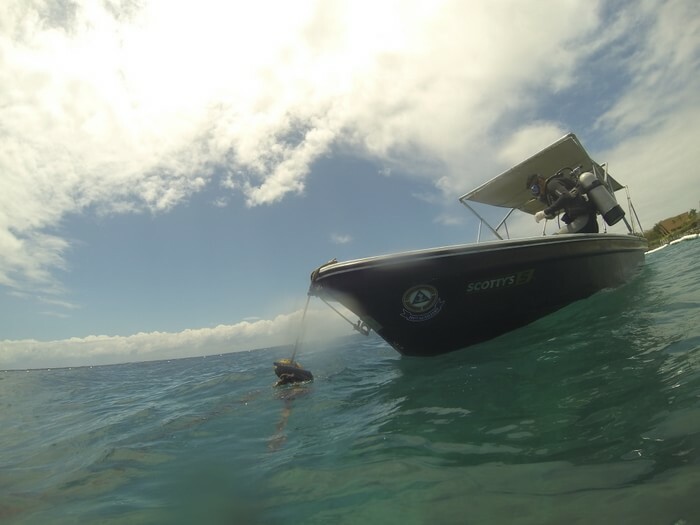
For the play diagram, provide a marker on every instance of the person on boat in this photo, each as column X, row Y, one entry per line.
column 560, row 193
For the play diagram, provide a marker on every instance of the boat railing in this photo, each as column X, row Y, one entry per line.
column 503, row 224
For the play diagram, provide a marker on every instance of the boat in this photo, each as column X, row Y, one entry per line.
column 433, row 301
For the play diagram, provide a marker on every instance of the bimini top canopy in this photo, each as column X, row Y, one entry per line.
column 509, row 189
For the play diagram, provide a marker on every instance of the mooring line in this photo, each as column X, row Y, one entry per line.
column 300, row 337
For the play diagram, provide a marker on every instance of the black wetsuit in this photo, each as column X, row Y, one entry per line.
column 558, row 196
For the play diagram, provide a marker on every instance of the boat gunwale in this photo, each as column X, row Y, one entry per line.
column 473, row 248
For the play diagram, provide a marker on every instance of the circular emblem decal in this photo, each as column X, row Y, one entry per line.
column 420, row 299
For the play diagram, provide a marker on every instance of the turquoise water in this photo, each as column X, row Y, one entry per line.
column 591, row 415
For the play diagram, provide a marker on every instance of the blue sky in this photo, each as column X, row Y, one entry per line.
column 170, row 173
column 203, row 265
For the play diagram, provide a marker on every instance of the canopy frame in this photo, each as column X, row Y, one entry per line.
column 510, row 190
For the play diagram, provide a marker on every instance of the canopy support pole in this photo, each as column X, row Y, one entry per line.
column 483, row 221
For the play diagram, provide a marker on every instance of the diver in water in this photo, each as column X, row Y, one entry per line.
column 561, row 193
column 289, row 372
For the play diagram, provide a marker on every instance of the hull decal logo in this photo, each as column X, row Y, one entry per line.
column 506, row 281
column 421, row 303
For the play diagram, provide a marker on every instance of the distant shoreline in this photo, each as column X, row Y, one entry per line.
column 660, row 234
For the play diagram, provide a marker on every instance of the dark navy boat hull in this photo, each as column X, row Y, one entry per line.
column 430, row 302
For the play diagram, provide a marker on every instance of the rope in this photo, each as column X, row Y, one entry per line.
column 301, row 331
column 359, row 325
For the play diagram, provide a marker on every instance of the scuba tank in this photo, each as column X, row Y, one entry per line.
column 602, row 198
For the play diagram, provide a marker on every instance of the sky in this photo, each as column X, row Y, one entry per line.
column 171, row 172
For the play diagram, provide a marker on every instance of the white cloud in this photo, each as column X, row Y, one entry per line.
column 102, row 349
column 661, row 168
column 654, row 124
column 450, row 219
column 338, row 238
column 120, row 111
column 117, row 110
column 528, row 140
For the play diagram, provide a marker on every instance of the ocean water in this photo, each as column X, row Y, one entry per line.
column 591, row 415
